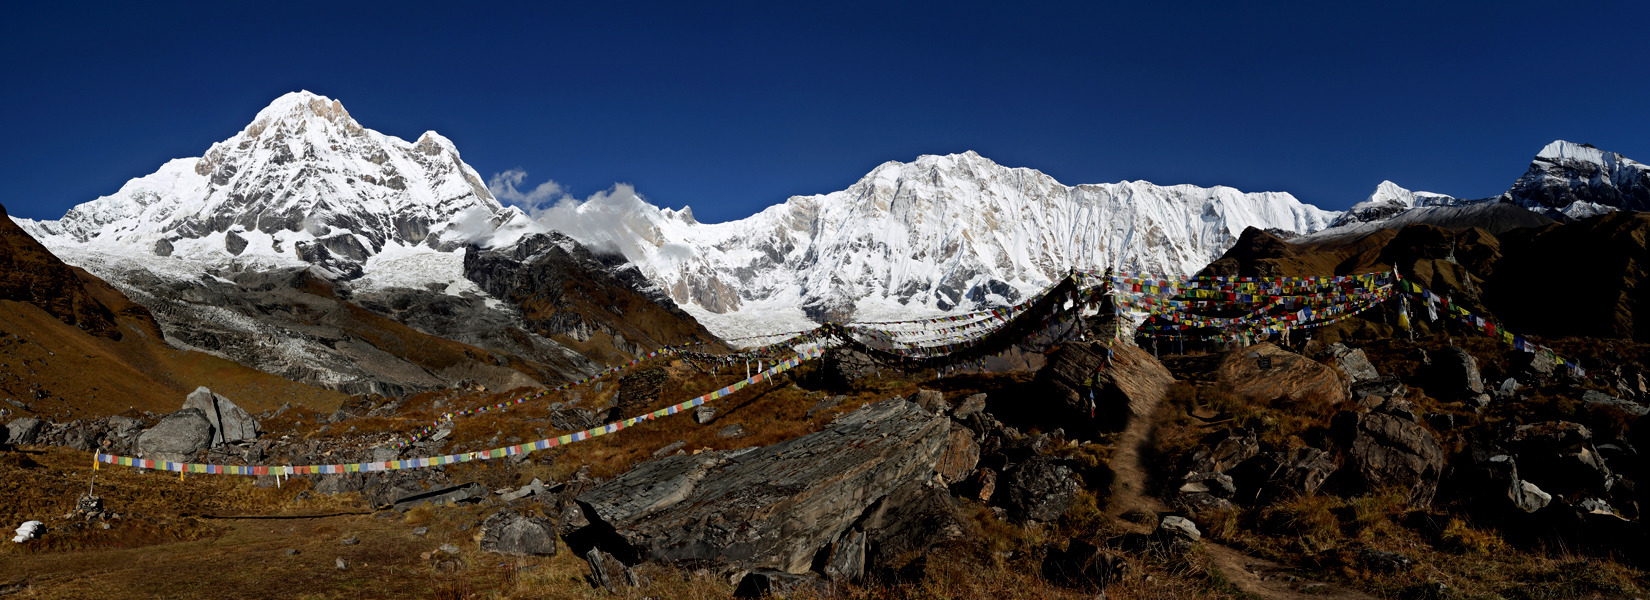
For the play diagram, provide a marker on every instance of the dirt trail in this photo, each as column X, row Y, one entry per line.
column 1263, row 578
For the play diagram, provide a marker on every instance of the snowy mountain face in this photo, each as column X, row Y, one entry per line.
column 1388, row 200
column 943, row 233
column 304, row 184
column 1581, row 180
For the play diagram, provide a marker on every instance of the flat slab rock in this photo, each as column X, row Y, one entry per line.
column 770, row 507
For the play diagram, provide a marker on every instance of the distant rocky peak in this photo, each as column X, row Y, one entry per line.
column 1581, row 179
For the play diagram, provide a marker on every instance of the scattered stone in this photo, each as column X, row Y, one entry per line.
column 1198, row 503
column 669, row 448
column 731, row 431
column 177, row 437
column 536, row 487
column 350, row 541
column 446, row 495
column 980, row 486
column 1507, row 389
column 1213, row 483
column 509, row 532
column 704, row 414
column 931, row 401
column 969, row 407
column 420, row 530
column 291, row 551
column 339, row 562
column 1041, row 489
column 449, row 549
column 1176, row 535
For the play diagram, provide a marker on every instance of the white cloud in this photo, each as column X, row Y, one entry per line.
column 503, row 185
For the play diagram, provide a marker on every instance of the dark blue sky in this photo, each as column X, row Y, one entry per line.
column 731, row 108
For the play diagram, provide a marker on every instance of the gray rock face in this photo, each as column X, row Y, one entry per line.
column 1386, row 450
column 844, row 369
column 731, row 431
column 770, row 507
column 201, row 399
column 907, row 522
column 23, row 431
column 1600, row 399
column 230, row 423
column 509, row 532
column 1040, row 489
column 846, row 562
column 1350, row 361
column 177, row 437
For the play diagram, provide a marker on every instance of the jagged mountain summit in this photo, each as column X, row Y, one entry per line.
column 1580, row 180
column 942, row 233
column 303, row 184
column 311, row 247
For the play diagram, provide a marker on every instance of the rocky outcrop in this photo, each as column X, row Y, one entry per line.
column 23, row 431
column 1267, row 372
column 962, row 454
column 907, row 522
column 177, row 437
column 1096, row 388
column 843, row 368
column 1453, row 375
column 770, row 507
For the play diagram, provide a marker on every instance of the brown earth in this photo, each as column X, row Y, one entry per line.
column 73, row 346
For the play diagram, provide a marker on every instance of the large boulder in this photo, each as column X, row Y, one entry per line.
column 1098, row 389
column 1384, row 450
column 1453, row 375
column 1275, row 476
column 230, row 423
column 23, row 431
column 177, row 437
column 1040, row 489
column 843, row 368
column 1268, row 372
column 1224, row 449
column 770, row 507
column 509, row 532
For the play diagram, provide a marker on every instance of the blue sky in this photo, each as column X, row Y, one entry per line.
column 733, row 107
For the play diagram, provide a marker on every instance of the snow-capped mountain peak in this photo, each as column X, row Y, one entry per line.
column 1581, row 180
column 1387, row 200
column 940, row 233
column 302, row 183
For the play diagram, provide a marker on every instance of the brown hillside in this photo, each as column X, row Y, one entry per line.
column 72, row 346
